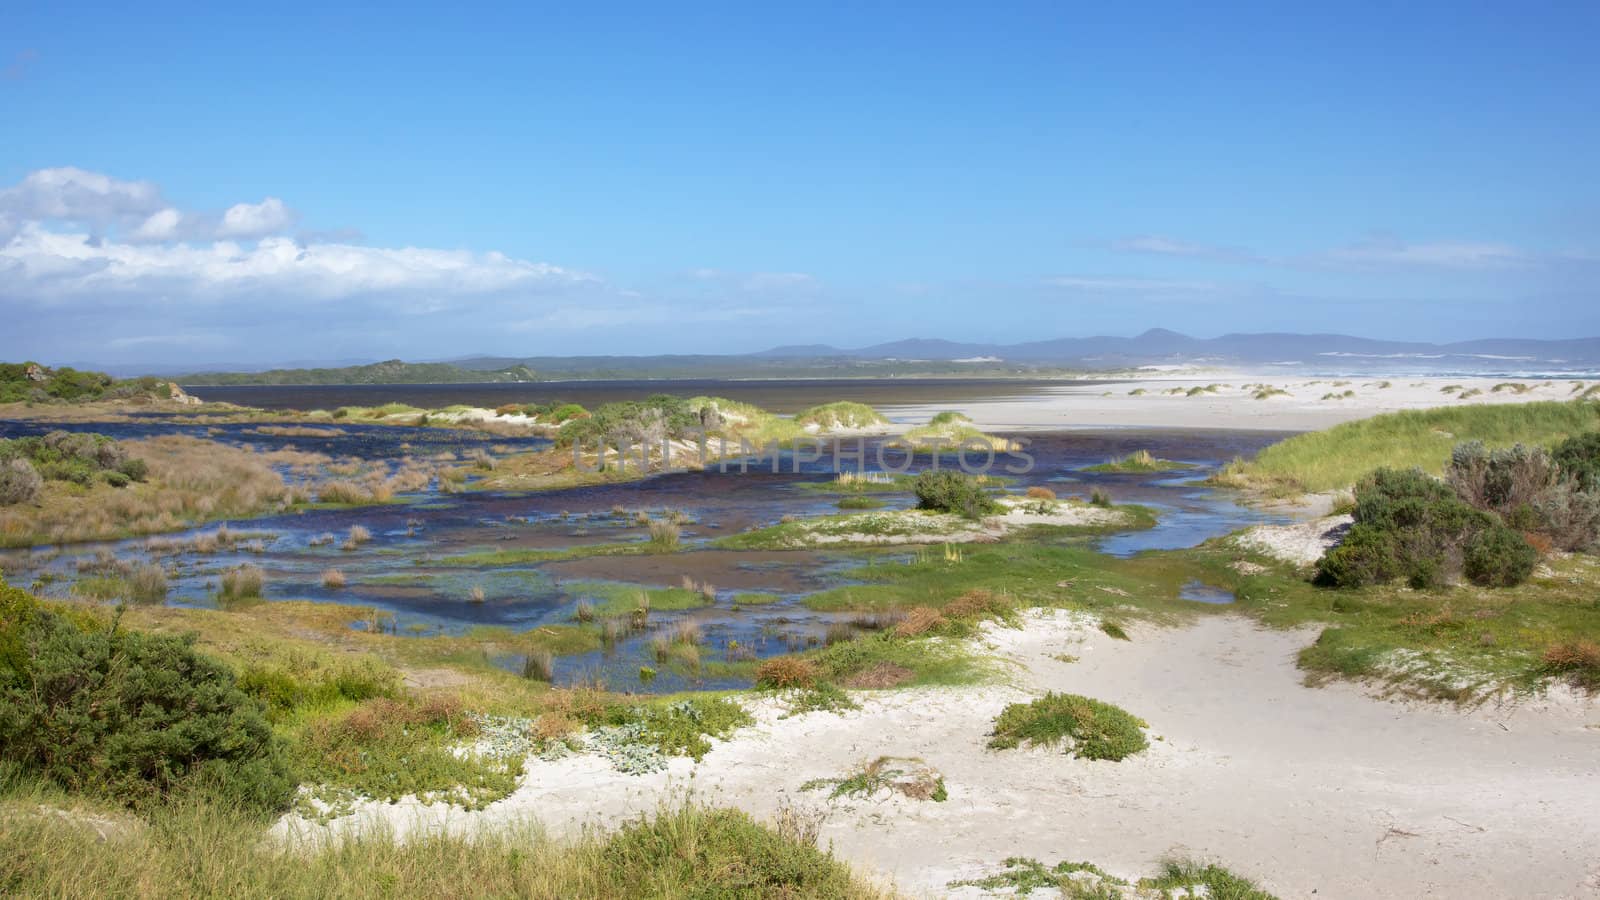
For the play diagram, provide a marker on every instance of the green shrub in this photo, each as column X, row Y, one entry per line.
column 1578, row 460
column 131, row 716
column 1498, row 557
column 1408, row 525
column 953, row 492
column 1092, row 729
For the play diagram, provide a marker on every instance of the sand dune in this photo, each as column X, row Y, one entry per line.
column 1323, row 791
column 1306, row 405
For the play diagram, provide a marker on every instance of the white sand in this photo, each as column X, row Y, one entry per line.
column 1323, row 791
column 1302, row 543
column 1232, row 406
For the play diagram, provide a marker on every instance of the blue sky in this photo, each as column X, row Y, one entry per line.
column 276, row 182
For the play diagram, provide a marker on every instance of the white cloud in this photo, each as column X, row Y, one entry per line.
column 1374, row 252
column 55, row 267
column 132, row 210
column 1439, row 254
column 70, row 194
column 250, row 220
column 1130, row 284
column 161, row 226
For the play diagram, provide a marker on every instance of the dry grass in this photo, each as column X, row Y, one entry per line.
column 539, row 665
column 1038, row 492
column 664, row 534
column 1577, row 660
column 147, row 583
column 190, row 481
column 333, row 579
column 358, row 535
column 242, row 582
column 786, row 672
column 919, row 620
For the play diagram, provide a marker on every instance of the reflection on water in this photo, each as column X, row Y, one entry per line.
column 402, row 570
column 1204, row 593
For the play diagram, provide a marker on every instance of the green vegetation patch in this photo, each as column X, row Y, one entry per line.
column 1086, row 881
column 201, row 850
column 489, row 559
column 385, row 749
column 1137, row 462
column 616, row 599
column 129, row 716
column 840, row 414
column 1089, row 728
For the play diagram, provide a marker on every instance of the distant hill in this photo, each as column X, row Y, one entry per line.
column 1325, row 354
column 391, row 371
column 1310, row 352
column 30, row 382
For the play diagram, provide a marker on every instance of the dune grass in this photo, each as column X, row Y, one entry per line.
column 840, row 414
column 52, row 846
column 1086, row 881
column 1337, row 457
column 1087, row 727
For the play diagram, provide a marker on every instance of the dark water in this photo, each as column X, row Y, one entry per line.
column 783, row 396
column 400, row 571
column 367, row 442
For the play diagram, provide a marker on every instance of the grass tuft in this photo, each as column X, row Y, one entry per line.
column 1091, row 729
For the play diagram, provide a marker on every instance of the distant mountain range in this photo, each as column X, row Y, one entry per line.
column 1157, row 348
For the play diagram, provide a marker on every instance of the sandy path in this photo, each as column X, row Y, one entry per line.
column 1306, row 790
column 1232, row 406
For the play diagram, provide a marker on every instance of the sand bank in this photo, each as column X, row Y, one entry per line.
column 1307, row 404
column 1324, row 791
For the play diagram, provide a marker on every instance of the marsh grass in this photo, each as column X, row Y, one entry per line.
column 242, row 582
column 664, row 535
column 147, row 583
column 1138, row 461
column 357, row 536
column 189, row 480
column 539, row 665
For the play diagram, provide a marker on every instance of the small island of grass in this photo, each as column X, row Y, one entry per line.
column 1139, row 461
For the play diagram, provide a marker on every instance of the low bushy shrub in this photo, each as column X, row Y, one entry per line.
column 19, row 482
column 953, row 492
column 1411, row 526
column 128, row 715
column 1578, row 460
column 1498, row 557
column 1502, row 480
column 1090, row 728
column 1569, row 515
